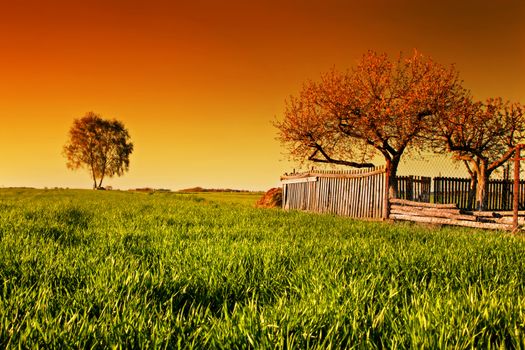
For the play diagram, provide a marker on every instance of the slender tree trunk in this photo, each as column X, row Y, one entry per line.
column 102, row 177
column 94, row 178
column 392, row 165
column 482, row 189
column 472, row 191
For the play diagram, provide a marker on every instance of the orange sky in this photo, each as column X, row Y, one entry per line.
column 198, row 85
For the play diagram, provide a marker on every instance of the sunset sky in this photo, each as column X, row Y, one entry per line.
column 199, row 83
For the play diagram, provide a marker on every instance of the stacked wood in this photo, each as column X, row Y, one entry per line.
column 446, row 214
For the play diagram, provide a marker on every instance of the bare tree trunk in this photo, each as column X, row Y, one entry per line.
column 481, row 193
column 506, row 202
column 102, row 177
column 392, row 166
column 472, row 191
column 482, row 189
column 93, row 176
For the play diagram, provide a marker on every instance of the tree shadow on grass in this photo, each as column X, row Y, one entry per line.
column 65, row 226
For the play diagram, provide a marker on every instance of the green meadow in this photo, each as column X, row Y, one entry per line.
column 109, row 269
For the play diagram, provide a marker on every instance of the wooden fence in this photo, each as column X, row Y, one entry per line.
column 363, row 194
column 355, row 193
column 457, row 190
column 453, row 190
column 414, row 188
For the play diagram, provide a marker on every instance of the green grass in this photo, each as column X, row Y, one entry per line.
column 244, row 198
column 93, row 269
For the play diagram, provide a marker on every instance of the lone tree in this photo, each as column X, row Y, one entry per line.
column 379, row 107
column 483, row 135
column 102, row 146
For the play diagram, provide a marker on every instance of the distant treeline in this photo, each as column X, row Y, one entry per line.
column 149, row 189
column 200, row 189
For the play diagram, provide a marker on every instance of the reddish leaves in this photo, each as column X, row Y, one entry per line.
column 379, row 107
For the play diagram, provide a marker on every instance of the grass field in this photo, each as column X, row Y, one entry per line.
column 94, row 269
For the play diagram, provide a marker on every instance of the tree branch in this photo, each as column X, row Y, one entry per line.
column 497, row 163
column 330, row 160
column 470, row 171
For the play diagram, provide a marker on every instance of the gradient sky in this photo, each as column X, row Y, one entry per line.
column 198, row 83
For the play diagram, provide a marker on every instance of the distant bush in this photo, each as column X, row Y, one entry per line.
column 149, row 190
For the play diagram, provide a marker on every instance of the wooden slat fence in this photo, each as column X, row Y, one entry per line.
column 452, row 190
column 363, row 193
column 353, row 193
column 457, row 190
column 414, row 188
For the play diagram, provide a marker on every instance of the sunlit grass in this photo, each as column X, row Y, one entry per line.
column 96, row 269
column 244, row 198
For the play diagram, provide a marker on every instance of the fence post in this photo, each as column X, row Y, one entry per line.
column 437, row 188
column 515, row 203
column 410, row 188
column 386, row 201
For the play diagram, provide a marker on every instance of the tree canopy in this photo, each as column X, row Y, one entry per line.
column 101, row 146
column 379, row 107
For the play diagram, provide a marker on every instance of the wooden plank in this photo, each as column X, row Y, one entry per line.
column 434, row 214
column 342, row 202
column 370, row 203
column 497, row 213
column 283, row 203
column 321, row 194
column 493, row 214
column 509, row 220
column 334, row 195
column 444, row 221
column 342, row 208
column 350, row 196
column 437, row 190
column 454, row 211
column 373, row 201
column 421, row 204
column 355, row 199
column 350, row 190
column 318, row 174
column 300, row 180
column 302, row 196
column 337, row 195
column 313, row 195
column 380, row 195
column 360, row 203
column 375, row 206
column 346, row 197
column 367, row 196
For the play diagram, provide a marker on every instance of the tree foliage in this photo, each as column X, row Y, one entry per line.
column 483, row 135
column 379, row 107
column 101, row 146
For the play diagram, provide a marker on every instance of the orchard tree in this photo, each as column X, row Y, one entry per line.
column 101, row 146
column 379, row 107
column 483, row 135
